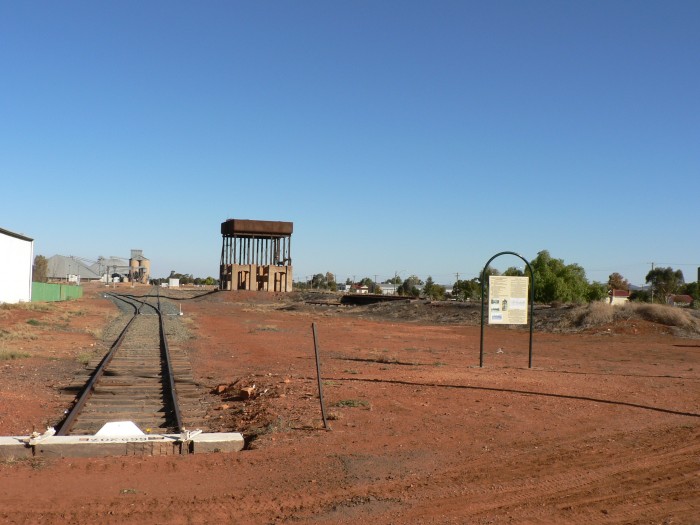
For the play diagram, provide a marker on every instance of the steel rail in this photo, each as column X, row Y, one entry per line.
column 169, row 384
column 169, row 369
column 68, row 422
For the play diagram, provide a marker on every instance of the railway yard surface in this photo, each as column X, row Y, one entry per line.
column 604, row 429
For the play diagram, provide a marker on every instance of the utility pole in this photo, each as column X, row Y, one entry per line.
column 652, row 284
column 457, row 275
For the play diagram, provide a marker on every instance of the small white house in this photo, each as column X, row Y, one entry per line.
column 362, row 289
column 618, row 297
column 680, row 300
column 173, row 283
column 16, row 259
column 388, row 288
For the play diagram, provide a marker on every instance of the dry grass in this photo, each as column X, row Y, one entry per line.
column 19, row 333
column 84, row 358
column 263, row 307
column 9, row 355
column 597, row 314
column 593, row 314
column 188, row 322
column 37, row 307
column 660, row 313
column 66, row 317
column 6, row 309
column 264, row 328
column 97, row 333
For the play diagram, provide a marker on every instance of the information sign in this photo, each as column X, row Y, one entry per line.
column 508, row 299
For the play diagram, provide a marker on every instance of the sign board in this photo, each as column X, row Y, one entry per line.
column 508, row 299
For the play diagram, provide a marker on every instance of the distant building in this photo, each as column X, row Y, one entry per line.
column 680, row 300
column 139, row 267
column 112, row 265
column 70, row 269
column 16, row 259
column 256, row 255
column 618, row 297
column 388, row 288
column 360, row 288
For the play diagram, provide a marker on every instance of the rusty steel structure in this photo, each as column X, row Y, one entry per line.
column 256, row 255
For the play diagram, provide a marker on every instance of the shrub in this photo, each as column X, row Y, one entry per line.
column 593, row 314
column 660, row 313
column 599, row 313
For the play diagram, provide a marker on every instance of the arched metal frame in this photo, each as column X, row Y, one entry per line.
column 532, row 304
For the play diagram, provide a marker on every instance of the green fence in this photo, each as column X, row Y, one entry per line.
column 45, row 292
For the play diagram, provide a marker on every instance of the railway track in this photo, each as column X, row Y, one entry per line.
column 141, row 379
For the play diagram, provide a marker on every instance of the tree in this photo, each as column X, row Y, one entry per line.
column 514, row 272
column 617, row 282
column 415, row 281
column 640, row 296
column 596, row 292
column 664, row 282
column 318, row 281
column 490, row 271
column 467, row 290
column 330, row 282
column 410, row 287
column 40, row 269
column 321, row 281
column 428, row 287
column 185, row 278
column 432, row 290
column 691, row 289
column 372, row 287
column 556, row 281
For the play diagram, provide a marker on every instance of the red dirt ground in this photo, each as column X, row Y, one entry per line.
column 605, row 428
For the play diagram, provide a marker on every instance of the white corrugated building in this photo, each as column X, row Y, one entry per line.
column 16, row 259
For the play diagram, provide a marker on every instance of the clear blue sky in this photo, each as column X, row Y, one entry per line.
column 398, row 136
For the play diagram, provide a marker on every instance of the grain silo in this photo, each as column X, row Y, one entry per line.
column 139, row 267
column 145, row 269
